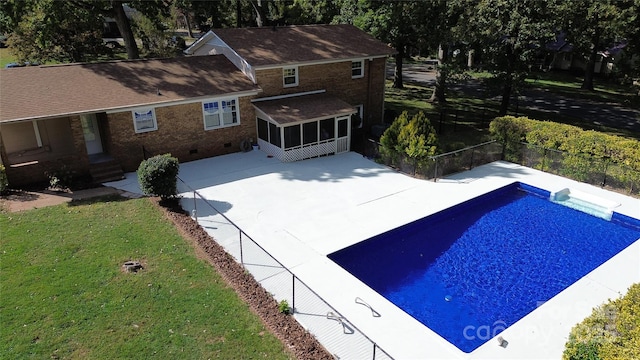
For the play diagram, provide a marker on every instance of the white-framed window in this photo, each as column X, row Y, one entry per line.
column 220, row 113
column 290, row 76
column 144, row 120
column 357, row 69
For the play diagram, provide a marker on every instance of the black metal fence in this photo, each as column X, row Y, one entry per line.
column 438, row 166
column 601, row 172
column 334, row 331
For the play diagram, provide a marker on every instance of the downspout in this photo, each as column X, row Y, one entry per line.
column 368, row 101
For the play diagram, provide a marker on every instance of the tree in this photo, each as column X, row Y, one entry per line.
column 418, row 138
column 394, row 22
column 413, row 137
column 49, row 30
column 114, row 9
column 440, row 33
column 592, row 26
column 510, row 33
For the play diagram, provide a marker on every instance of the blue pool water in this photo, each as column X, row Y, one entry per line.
column 472, row 270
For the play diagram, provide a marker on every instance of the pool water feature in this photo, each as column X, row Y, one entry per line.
column 587, row 203
column 471, row 271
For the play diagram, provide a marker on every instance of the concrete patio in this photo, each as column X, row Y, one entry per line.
column 299, row 212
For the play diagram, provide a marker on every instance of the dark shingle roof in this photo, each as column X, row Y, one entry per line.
column 46, row 91
column 267, row 46
column 304, row 108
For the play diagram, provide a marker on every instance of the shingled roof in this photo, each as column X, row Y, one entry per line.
column 59, row 90
column 269, row 46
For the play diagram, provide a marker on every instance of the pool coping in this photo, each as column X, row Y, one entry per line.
column 308, row 209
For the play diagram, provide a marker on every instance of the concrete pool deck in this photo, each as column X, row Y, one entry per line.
column 300, row 212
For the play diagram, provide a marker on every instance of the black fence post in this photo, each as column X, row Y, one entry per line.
column 604, row 174
column 293, row 293
column 195, row 207
column 471, row 162
column 241, row 255
column 435, row 171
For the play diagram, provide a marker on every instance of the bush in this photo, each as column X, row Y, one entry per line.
column 413, row 137
column 284, row 308
column 60, row 178
column 4, row 181
column 582, row 148
column 612, row 331
column 158, row 176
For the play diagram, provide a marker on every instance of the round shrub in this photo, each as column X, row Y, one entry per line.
column 158, row 176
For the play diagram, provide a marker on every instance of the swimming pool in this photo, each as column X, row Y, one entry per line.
column 472, row 270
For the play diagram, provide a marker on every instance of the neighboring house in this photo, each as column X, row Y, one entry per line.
column 293, row 90
column 563, row 56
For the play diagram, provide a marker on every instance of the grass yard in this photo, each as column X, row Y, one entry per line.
column 6, row 56
column 466, row 119
column 63, row 294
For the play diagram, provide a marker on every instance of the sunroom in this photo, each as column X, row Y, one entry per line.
column 304, row 126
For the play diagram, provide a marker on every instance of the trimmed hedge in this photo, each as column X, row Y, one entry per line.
column 158, row 176
column 612, row 332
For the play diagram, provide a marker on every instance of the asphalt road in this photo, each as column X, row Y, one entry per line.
column 600, row 113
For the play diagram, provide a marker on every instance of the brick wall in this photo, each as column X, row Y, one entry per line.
column 180, row 132
column 336, row 79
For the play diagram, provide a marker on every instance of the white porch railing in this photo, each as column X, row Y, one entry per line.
column 342, row 145
column 307, row 151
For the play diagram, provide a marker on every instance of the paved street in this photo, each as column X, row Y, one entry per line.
column 606, row 114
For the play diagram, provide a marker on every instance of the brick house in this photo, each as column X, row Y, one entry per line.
column 293, row 90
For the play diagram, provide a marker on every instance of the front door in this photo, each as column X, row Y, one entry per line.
column 343, row 130
column 91, row 134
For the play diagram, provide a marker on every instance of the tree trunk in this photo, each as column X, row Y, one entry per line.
column 238, row 14
column 260, row 13
column 508, row 81
column 587, row 83
column 506, row 97
column 439, row 90
column 397, row 74
column 188, row 22
column 125, row 30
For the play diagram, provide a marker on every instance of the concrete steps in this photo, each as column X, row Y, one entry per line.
column 106, row 171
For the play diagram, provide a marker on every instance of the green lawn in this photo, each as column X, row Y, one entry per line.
column 63, row 294
column 466, row 119
column 6, row 57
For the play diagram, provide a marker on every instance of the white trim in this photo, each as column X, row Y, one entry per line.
column 361, row 61
column 296, row 76
column 286, row 96
column 238, row 94
column 198, row 43
column 36, row 130
column 220, row 112
column 153, row 118
column 315, row 62
column 114, row 110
